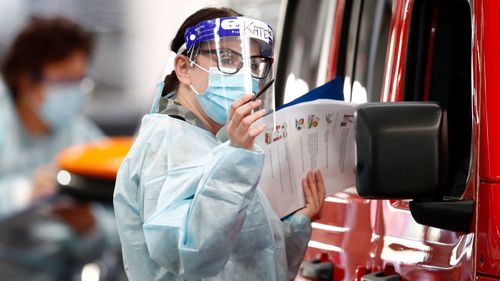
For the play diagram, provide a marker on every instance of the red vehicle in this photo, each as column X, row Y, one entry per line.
column 427, row 204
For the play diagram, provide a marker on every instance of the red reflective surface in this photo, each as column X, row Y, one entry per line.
column 337, row 28
column 392, row 89
column 488, row 231
column 362, row 235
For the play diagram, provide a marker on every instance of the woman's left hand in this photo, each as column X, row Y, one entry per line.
column 314, row 190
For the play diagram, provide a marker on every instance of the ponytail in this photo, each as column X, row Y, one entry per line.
column 171, row 83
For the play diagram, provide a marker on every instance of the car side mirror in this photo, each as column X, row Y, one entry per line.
column 399, row 151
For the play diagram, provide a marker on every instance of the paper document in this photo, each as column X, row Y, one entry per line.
column 307, row 136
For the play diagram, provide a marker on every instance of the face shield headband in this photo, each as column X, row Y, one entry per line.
column 219, row 28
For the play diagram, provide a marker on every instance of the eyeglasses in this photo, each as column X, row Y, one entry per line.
column 230, row 62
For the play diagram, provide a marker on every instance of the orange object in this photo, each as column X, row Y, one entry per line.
column 98, row 159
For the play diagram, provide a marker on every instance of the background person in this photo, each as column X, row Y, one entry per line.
column 40, row 107
column 188, row 206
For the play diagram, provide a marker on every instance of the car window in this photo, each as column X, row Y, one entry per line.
column 438, row 68
column 306, row 26
column 366, row 50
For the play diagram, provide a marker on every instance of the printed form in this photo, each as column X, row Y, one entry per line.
column 307, row 136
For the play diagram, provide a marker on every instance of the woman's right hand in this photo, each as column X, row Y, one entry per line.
column 239, row 125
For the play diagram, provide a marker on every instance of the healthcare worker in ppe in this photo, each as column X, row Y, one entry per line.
column 41, row 97
column 187, row 205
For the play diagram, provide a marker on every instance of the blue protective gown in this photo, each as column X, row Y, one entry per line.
column 21, row 154
column 188, row 208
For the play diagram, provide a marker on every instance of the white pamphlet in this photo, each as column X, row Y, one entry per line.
column 307, row 136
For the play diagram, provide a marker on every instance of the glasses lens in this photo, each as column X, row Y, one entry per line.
column 260, row 67
column 229, row 62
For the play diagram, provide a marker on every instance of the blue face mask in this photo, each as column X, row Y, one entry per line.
column 222, row 91
column 62, row 102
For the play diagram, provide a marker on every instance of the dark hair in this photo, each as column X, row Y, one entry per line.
column 171, row 80
column 42, row 41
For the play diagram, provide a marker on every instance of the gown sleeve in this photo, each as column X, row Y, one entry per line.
column 15, row 187
column 193, row 236
column 297, row 230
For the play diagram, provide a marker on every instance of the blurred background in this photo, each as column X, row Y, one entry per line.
column 132, row 52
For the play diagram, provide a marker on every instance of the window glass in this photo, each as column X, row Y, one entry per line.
column 305, row 27
column 367, row 47
column 438, row 68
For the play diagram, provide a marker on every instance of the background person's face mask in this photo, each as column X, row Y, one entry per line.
column 61, row 103
column 222, row 91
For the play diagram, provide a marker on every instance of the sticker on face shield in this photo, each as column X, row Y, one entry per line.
column 258, row 30
column 230, row 23
column 248, row 28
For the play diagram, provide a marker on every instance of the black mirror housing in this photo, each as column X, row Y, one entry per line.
column 399, row 151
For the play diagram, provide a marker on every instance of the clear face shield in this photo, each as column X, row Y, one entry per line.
column 237, row 55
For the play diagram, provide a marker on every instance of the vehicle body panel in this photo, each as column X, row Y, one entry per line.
column 486, row 72
column 487, row 61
